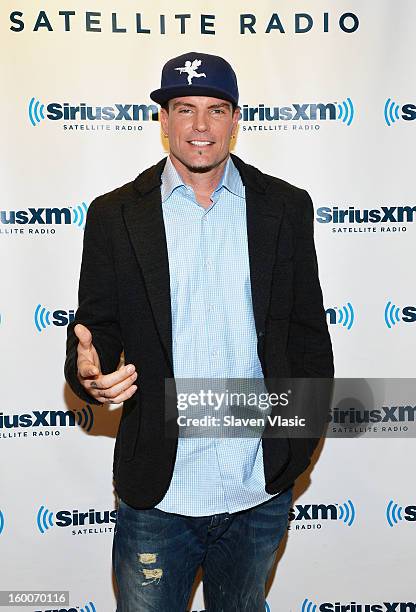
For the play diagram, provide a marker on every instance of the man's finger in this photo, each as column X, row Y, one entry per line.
column 115, row 390
column 122, row 397
column 106, row 381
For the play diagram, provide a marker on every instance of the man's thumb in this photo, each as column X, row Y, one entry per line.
column 84, row 335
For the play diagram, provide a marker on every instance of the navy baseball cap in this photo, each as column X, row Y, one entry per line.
column 197, row 74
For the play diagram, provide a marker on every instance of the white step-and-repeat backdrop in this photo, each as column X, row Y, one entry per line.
column 328, row 100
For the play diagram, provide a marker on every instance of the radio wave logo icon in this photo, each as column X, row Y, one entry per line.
column 35, row 111
column 391, row 314
column 342, row 315
column 347, row 512
column 391, row 112
column 393, row 513
column 42, row 317
column 266, row 607
column 346, row 315
column 89, row 607
column 1, row 522
column 308, row 606
column 85, row 418
column 44, row 519
column 79, row 214
column 346, row 111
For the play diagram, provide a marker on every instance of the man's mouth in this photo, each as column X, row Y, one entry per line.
column 201, row 143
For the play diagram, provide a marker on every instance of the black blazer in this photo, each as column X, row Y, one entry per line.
column 124, row 299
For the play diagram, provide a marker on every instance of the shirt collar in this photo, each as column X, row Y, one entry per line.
column 231, row 180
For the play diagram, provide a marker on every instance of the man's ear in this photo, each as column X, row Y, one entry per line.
column 164, row 118
column 236, row 117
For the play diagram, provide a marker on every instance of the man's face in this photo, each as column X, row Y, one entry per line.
column 199, row 130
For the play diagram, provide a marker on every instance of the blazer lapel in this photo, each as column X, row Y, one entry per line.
column 144, row 222
column 264, row 216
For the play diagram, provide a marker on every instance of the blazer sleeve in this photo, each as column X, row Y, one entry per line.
column 97, row 303
column 309, row 343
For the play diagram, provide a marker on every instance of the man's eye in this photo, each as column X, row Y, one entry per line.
column 218, row 111
column 185, row 110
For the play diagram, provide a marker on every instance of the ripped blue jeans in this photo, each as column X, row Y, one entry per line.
column 156, row 556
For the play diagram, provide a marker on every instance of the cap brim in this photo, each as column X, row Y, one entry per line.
column 167, row 93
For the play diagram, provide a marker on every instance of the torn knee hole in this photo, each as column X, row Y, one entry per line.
column 147, row 557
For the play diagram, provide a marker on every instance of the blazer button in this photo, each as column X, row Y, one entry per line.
column 260, row 334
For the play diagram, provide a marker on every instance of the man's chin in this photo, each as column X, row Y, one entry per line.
column 202, row 168
column 203, row 165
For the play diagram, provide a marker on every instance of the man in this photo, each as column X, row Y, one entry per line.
column 202, row 267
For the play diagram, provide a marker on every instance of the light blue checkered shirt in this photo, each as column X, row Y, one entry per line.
column 214, row 336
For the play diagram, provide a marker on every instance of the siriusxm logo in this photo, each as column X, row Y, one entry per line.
column 56, row 111
column 385, row 214
column 321, row 111
column 396, row 513
column 60, row 318
column 71, row 215
column 387, row 414
column 341, row 315
column 49, row 418
column 394, row 112
column 344, row 512
column 394, row 314
column 88, row 607
column 46, row 519
column 353, row 606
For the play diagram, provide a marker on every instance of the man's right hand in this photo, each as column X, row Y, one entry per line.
column 106, row 388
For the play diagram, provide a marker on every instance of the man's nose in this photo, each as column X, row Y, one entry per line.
column 200, row 121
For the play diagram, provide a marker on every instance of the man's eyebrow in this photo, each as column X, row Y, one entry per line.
column 176, row 104
column 220, row 105
column 217, row 105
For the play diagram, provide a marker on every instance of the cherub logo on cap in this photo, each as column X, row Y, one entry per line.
column 183, row 76
column 190, row 68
